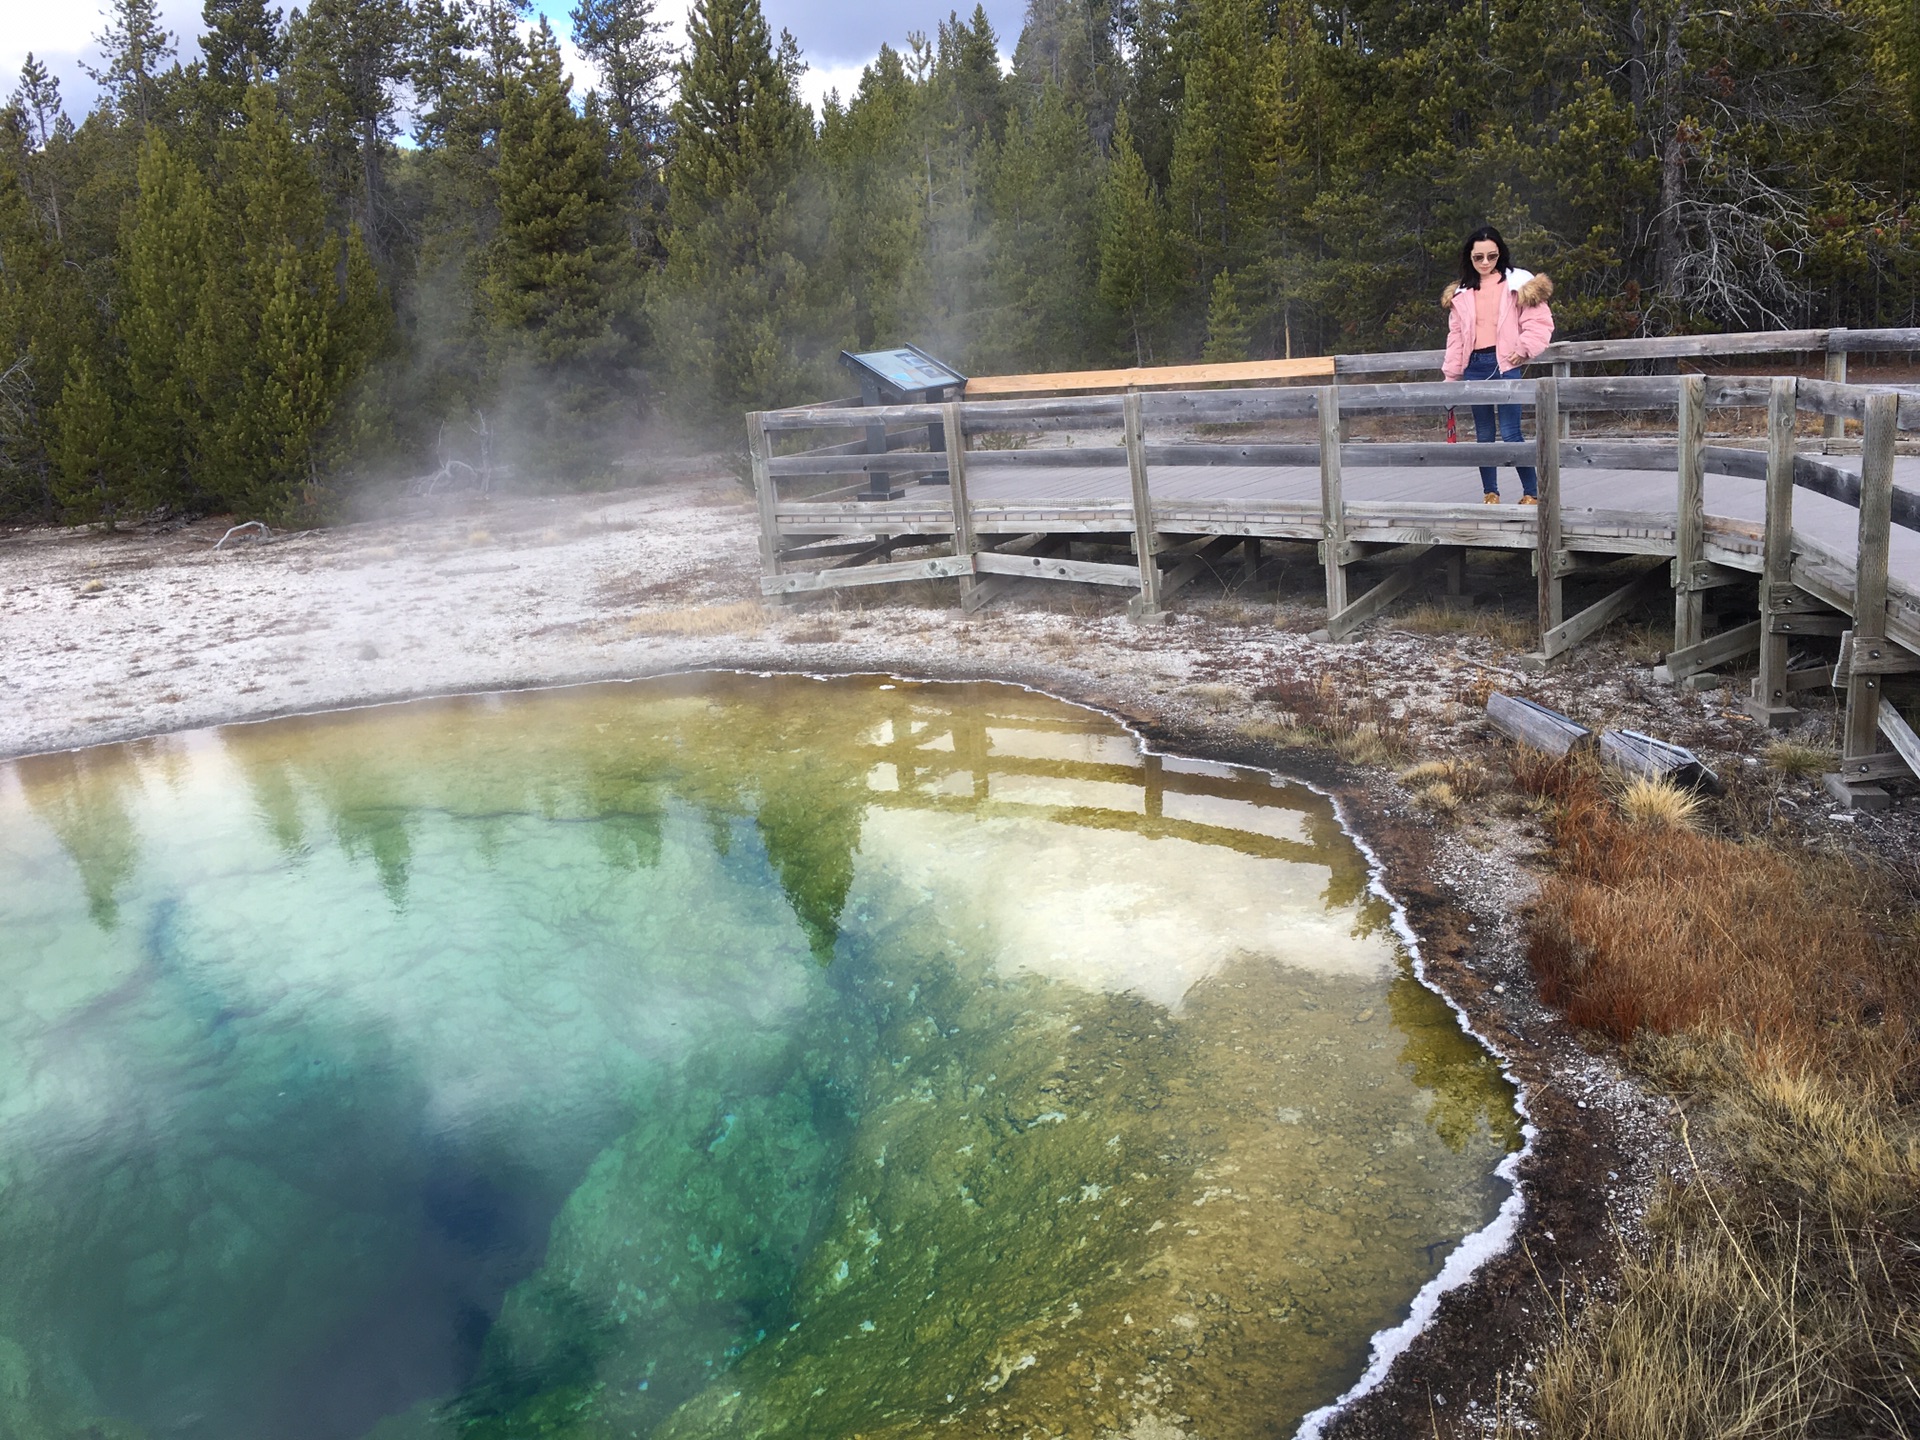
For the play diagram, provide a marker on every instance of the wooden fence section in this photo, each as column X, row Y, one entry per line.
column 985, row 512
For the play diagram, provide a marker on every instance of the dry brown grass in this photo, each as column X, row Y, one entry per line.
column 1666, row 929
column 1646, row 643
column 1777, row 991
column 1781, row 1295
column 700, row 619
column 1509, row 632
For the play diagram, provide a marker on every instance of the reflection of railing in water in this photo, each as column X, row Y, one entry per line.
column 1041, row 503
column 920, row 777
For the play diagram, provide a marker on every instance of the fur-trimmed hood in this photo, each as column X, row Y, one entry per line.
column 1528, row 289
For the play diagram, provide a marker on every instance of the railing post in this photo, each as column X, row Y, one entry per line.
column 1690, row 515
column 1861, row 733
column 1563, row 370
column 1546, row 426
column 1769, row 703
column 760, row 456
column 1145, row 607
column 1333, row 513
column 1835, row 426
column 964, row 542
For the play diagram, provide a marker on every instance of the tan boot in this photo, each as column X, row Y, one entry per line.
column 1528, row 500
column 1490, row 497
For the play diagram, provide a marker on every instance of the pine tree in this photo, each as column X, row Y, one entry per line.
column 738, row 125
column 168, row 266
column 879, row 167
column 1136, row 271
column 93, row 479
column 241, row 38
column 555, row 283
column 1226, row 324
column 734, row 307
column 1153, row 85
column 346, row 59
column 1220, row 190
column 1074, row 46
column 1044, row 263
column 287, row 323
column 969, row 65
column 43, row 128
column 44, row 318
column 134, row 47
column 623, row 40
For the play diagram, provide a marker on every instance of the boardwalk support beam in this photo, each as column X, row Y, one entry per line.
column 760, row 456
column 1835, row 426
column 1860, row 730
column 964, row 541
column 1595, row 618
column 1333, row 512
column 1359, row 611
column 1145, row 608
column 1546, row 429
column 1690, row 519
column 1769, row 703
column 1197, row 564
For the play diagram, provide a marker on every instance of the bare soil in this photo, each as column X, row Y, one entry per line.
column 111, row 637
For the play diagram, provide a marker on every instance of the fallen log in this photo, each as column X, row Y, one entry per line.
column 1638, row 754
column 1534, row 725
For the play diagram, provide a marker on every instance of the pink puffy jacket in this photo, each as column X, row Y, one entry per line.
column 1522, row 332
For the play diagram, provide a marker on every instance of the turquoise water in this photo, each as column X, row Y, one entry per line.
column 713, row 1056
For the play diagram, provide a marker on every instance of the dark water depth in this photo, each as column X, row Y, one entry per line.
column 719, row 1056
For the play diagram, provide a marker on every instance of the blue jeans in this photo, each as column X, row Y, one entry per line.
column 1485, row 365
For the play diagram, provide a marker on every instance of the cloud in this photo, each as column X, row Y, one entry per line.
column 60, row 35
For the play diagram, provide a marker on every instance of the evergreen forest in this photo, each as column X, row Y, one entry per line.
column 322, row 250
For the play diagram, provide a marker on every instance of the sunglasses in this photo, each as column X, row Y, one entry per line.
column 1486, row 254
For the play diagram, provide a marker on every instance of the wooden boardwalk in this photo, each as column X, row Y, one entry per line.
column 1827, row 543
column 1006, row 498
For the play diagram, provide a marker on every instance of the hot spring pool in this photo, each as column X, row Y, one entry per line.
column 717, row 1056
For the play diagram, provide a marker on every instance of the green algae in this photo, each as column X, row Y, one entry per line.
column 883, row 1057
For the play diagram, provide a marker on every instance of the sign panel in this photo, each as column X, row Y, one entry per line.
column 907, row 371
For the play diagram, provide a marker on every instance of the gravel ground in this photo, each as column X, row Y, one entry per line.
column 112, row 637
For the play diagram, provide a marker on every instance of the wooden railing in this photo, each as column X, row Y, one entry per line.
column 1804, row 586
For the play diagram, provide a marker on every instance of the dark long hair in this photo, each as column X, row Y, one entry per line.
column 1470, row 277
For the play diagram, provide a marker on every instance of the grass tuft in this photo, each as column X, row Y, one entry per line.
column 1444, row 786
column 1668, row 929
column 1791, row 758
column 1658, row 804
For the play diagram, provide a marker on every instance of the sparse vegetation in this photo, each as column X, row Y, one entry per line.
column 700, row 619
column 1774, row 991
column 1509, row 632
column 1362, row 726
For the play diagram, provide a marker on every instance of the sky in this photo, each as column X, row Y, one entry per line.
column 837, row 38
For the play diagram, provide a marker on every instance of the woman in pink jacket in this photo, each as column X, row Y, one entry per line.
column 1498, row 320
